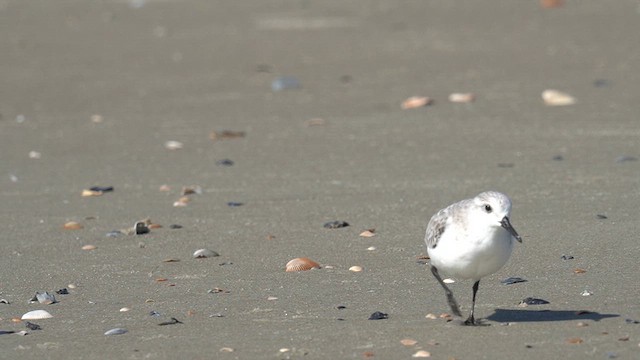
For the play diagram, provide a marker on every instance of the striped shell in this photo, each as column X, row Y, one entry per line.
column 37, row 315
column 301, row 264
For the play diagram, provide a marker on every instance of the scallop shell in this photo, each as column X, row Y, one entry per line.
column 301, row 264
column 36, row 315
column 204, row 253
column 116, row 331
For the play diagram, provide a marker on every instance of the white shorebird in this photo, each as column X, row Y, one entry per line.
column 469, row 240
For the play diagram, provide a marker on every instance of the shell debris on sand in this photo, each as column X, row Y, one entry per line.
column 408, row 342
column 116, row 331
column 72, row 225
column 421, row 354
column 356, row 268
column 173, row 145
column 368, row 233
column 462, row 97
column 301, row 264
column 36, row 315
column 204, row 253
column 415, row 102
column 553, row 97
column 89, row 247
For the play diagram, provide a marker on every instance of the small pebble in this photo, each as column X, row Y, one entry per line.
column 378, row 316
column 335, row 224
column 32, row 326
column 225, row 162
column 175, row 226
column 285, row 83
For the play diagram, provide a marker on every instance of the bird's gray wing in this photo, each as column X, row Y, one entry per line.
column 436, row 227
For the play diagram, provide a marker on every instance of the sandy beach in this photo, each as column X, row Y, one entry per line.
column 92, row 92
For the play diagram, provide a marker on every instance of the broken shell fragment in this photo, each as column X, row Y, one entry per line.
column 557, row 98
column 421, row 354
column 183, row 201
column 36, row 315
column 368, row 233
column 88, row 193
column 461, row 97
column 408, row 342
column 116, row 331
column 415, row 102
column 45, row 298
column 204, row 253
column 448, row 281
column 356, row 268
column 72, row 225
column 89, row 247
column 301, row 264
column 173, row 145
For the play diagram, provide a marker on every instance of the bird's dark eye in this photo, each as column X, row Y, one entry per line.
column 488, row 208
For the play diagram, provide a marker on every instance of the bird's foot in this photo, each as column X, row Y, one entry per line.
column 473, row 322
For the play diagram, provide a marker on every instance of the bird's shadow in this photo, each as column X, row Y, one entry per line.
column 517, row 315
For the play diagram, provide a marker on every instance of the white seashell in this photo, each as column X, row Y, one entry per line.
column 421, row 354
column 448, row 281
column 125, row 309
column 173, row 145
column 461, row 97
column 557, row 98
column 204, row 253
column 36, row 315
column 355, row 268
column 116, row 331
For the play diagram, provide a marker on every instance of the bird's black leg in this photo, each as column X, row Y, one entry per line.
column 452, row 302
column 471, row 320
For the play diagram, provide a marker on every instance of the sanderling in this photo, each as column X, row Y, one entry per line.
column 471, row 239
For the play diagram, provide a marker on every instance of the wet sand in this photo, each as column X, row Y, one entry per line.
column 156, row 71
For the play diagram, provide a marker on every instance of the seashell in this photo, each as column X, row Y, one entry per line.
column 415, row 102
column 116, row 331
column 448, row 281
column 574, row 340
column 173, row 145
column 193, row 189
column 579, row 271
column 72, row 286
column 461, row 97
column 36, row 315
column 557, row 98
column 408, row 342
column 34, row 155
column 45, row 298
column 183, row 201
column 227, row 349
column 125, row 309
column 72, row 225
column 204, row 253
column 164, row 188
column 371, row 248
column 431, row 316
column 272, row 298
column 368, row 233
column 301, row 264
column 421, row 354
column 89, row 247
column 88, row 192
column 356, row 268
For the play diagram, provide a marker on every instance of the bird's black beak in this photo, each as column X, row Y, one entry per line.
column 507, row 225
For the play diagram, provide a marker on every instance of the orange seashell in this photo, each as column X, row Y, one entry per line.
column 579, row 271
column 72, row 225
column 301, row 264
column 415, row 102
